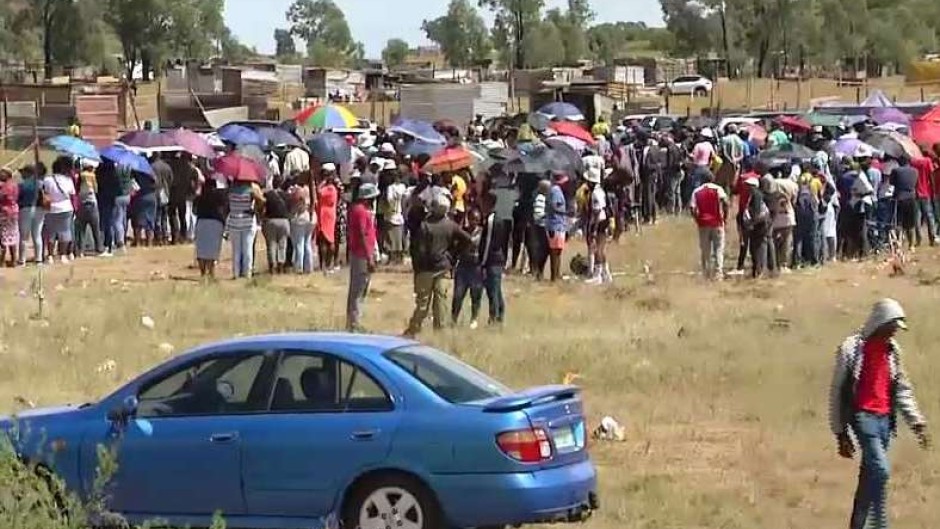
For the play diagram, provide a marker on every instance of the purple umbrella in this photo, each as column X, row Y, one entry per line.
column 419, row 130
column 151, row 141
column 890, row 115
column 848, row 146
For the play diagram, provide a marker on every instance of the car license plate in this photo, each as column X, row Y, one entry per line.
column 566, row 439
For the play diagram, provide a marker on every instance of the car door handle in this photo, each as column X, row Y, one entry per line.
column 363, row 435
column 226, row 437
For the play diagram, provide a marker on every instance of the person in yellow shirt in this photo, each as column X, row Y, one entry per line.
column 600, row 128
column 75, row 128
column 458, row 189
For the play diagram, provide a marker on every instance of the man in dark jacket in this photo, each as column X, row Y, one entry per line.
column 438, row 237
column 493, row 259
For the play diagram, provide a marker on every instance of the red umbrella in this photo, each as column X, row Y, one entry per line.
column 795, row 124
column 926, row 129
column 449, row 160
column 570, row 128
column 238, row 168
column 193, row 143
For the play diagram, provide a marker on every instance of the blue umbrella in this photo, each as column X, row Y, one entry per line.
column 240, row 135
column 329, row 147
column 419, row 130
column 125, row 158
column 562, row 110
column 279, row 136
column 417, row 147
column 73, row 146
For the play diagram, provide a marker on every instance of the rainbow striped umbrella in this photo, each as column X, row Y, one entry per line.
column 326, row 117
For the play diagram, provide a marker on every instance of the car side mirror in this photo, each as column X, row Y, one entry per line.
column 125, row 411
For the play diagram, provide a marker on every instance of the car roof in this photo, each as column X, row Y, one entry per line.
column 369, row 344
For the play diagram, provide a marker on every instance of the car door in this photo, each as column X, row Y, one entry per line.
column 180, row 453
column 329, row 420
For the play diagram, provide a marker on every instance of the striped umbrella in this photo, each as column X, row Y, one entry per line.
column 326, row 117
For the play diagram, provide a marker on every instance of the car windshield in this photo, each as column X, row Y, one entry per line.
column 451, row 379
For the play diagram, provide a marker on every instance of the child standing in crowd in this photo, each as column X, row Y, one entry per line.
column 468, row 276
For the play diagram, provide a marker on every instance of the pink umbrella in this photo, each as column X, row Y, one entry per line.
column 193, row 143
column 240, row 169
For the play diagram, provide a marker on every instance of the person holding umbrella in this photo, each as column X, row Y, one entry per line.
column 245, row 198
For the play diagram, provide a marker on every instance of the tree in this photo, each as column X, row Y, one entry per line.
column 141, row 26
column 542, row 45
column 692, row 25
column 395, row 53
column 324, row 28
column 47, row 17
column 461, row 34
column 233, row 51
column 514, row 20
column 572, row 28
column 285, row 45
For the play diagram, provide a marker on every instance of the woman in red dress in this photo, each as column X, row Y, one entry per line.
column 327, row 200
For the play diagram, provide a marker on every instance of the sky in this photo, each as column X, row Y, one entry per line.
column 374, row 22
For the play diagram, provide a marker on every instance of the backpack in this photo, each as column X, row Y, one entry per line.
column 806, row 205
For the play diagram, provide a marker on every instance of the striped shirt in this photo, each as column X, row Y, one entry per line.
column 241, row 216
column 538, row 210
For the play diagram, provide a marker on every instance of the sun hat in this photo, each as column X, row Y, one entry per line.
column 329, row 167
column 864, row 151
column 593, row 175
column 707, row 133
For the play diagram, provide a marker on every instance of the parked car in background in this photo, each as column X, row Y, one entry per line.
column 696, row 85
column 302, row 430
column 740, row 121
column 660, row 123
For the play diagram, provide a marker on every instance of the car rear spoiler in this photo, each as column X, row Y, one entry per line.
column 530, row 397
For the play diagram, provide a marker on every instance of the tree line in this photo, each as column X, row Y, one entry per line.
column 145, row 33
column 759, row 37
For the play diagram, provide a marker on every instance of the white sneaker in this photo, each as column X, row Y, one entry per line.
column 65, row 259
column 474, row 325
column 106, row 253
column 596, row 280
column 50, row 260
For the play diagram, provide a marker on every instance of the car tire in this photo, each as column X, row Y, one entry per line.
column 386, row 493
column 700, row 91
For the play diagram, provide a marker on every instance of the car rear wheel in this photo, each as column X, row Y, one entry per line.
column 701, row 91
column 392, row 502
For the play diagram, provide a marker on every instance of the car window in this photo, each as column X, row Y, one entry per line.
column 313, row 382
column 451, row 379
column 685, row 79
column 230, row 384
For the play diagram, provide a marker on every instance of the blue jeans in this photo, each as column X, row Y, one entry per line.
column 114, row 221
column 924, row 215
column 243, row 252
column 871, row 497
column 467, row 279
column 300, row 237
column 493, row 283
column 30, row 224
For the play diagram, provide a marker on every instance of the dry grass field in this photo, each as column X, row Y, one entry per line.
column 722, row 387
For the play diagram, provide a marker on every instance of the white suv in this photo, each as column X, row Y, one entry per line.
column 688, row 85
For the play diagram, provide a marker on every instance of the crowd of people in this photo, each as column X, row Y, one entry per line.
column 472, row 223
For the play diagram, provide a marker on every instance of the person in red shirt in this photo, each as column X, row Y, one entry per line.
column 869, row 386
column 710, row 210
column 924, row 212
column 362, row 246
column 743, row 191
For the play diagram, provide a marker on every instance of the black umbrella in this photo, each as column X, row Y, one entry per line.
column 328, row 147
column 571, row 155
column 539, row 161
column 786, row 154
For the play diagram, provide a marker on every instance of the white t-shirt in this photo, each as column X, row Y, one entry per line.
column 395, row 195
column 296, row 161
column 59, row 189
column 599, row 203
column 593, row 161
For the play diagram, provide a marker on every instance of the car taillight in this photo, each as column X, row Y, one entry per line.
column 528, row 446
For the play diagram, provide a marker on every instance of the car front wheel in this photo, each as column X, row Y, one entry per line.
column 392, row 502
column 701, row 91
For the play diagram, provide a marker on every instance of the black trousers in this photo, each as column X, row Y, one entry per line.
column 178, row 221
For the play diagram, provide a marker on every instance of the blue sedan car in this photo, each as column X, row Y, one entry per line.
column 306, row 430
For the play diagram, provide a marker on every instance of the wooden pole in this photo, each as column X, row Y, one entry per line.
column 3, row 122
column 36, row 134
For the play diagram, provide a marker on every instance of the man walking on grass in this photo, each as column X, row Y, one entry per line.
column 710, row 210
column 869, row 387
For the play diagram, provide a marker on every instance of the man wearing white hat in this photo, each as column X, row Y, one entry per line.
column 597, row 226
